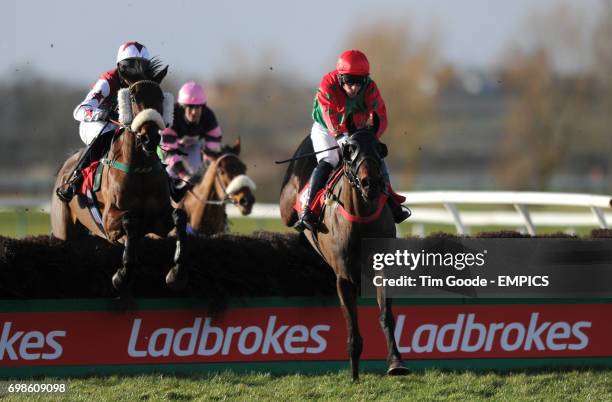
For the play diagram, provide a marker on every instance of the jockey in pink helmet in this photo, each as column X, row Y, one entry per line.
column 99, row 107
column 346, row 93
column 195, row 128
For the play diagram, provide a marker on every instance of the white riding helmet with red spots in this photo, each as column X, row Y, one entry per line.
column 132, row 50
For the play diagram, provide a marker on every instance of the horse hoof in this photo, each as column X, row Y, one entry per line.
column 397, row 368
column 176, row 279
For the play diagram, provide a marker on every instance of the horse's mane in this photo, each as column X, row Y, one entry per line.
column 143, row 70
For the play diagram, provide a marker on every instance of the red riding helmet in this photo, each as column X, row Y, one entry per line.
column 353, row 62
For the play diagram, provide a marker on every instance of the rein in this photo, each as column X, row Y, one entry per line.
column 354, row 182
column 226, row 199
column 124, row 167
column 364, row 219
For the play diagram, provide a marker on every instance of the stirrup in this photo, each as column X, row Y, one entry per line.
column 304, row 223
column 68, row 190
column 65, row 194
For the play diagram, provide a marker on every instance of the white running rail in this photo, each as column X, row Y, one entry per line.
column 448, row 213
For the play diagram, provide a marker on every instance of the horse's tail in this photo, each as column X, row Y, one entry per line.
column 300, row 167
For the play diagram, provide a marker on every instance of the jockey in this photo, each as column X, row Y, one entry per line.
column 98, row 107
column 346, row 91
column 195, row 128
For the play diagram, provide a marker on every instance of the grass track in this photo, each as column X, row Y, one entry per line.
column 587, row 385
column 37, row 223
column 434, row 385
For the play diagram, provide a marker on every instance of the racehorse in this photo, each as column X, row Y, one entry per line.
column 134, row 197
column 355, row 209
column 223, row 181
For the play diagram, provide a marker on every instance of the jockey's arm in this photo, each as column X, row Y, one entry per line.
column 89, row 109
column 330, row 109
column 212, row 137
column 376, row 108
column 173, row 158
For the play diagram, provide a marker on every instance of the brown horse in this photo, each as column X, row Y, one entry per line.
column 134, row 197
column 358, row 193
column 223, row 181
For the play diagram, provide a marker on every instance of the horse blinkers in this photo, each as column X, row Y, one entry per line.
column 355, row 157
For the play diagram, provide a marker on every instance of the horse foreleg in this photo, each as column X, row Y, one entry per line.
column 176, row 279
column 124, row 276
column 347, row 293
column 387, row 322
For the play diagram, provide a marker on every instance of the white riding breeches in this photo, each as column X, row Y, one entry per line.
column 88, row 130
column 322, row 139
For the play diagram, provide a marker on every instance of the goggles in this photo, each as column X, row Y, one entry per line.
column 348, row 79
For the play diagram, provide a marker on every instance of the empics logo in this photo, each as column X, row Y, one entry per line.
column 204, row 339
column 466, row 334
column 30, row 345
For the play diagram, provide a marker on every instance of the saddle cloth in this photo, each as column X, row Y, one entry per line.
column 92, row 176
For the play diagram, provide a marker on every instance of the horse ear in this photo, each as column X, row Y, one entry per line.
column 383, row 151
column 236, row 147
column 160, row 76
column 211, row 154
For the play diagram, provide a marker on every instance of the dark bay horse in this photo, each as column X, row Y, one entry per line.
column 134, row 197
column 359, row 193
column 223, row 181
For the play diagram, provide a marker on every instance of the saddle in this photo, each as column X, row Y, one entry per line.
column 319, row 200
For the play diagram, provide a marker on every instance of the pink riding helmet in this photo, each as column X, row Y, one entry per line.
column 192, row 93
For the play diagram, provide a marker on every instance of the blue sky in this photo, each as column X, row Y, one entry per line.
column 74, row 41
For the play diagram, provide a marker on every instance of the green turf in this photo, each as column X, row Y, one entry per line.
column 13, row 224
column 431, row 385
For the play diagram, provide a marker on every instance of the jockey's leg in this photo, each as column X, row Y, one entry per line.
column 321, row 139
column 399, row 213
column 96, row 145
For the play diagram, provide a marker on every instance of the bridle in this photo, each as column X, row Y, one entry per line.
column 225, row 197
column 353, row 158
column 142, row 139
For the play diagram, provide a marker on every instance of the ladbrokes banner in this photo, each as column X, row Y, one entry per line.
column 302, row 333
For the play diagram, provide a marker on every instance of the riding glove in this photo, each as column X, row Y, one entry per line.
column 341, row 139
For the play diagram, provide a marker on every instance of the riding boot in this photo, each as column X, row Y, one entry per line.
column 318, row 178
column 399, row 213
column 92, row 153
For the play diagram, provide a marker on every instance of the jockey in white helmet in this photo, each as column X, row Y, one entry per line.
column 99, row 106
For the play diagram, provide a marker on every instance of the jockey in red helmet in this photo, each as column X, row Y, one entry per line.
column 347, row 92
column 194, row 128
column 95, row 111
